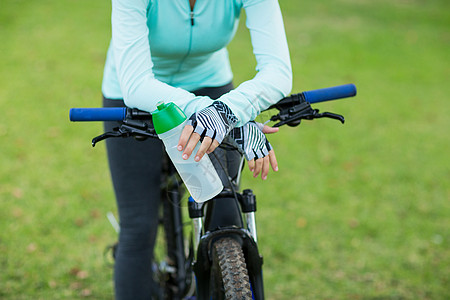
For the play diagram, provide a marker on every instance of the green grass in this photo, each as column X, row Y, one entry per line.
column 357, row 211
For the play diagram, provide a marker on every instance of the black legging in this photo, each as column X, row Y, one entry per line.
column 135, row 168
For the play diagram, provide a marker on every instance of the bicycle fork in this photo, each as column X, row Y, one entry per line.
column 247, row 237
column 248, row 204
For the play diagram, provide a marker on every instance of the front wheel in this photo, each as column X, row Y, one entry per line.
column 230, row 278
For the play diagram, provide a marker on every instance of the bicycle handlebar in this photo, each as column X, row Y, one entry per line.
column 331, row 93
column 98, row 114
column 120, row 113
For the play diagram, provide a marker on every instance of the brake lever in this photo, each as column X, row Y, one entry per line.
column 105, row 136
column 138, row 129
column 302, row 111
column 331, row 116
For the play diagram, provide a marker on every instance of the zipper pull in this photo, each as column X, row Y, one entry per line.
column 192, row 18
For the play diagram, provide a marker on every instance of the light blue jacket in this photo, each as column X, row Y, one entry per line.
column 160, row 50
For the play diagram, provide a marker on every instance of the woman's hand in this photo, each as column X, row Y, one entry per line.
column 256, row 148
column 212, row 124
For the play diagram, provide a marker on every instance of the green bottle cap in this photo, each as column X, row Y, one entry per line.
column 167, row 116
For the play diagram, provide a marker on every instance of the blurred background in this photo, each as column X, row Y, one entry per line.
column 357, row 211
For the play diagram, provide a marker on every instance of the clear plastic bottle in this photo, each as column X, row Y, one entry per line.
column 200, row 178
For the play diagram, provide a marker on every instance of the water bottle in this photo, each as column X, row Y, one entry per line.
column 200, row 178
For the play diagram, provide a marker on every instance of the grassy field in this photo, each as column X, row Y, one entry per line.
column 357, row 211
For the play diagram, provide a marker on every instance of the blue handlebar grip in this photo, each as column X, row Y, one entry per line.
column 331, row 93
column 97, row 114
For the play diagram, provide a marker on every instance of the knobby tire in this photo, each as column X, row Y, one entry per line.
column 230, row 278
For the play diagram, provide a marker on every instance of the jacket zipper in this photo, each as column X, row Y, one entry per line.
column 191, row 16
column 192, row 12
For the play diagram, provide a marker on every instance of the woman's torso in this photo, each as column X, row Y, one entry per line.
column 187, row 47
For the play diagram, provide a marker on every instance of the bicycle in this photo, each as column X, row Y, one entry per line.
column 223, row 260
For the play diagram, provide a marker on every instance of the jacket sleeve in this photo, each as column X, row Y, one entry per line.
column 132, row 56
column 273, row 80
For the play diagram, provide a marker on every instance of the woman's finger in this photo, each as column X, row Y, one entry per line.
column 213, row 146
column 184, row 137
column 195, row 137
column 258, row 167
column 267, row 129
column 265, row 167
column 204, row 146
column 251, row 165
column 273, row 160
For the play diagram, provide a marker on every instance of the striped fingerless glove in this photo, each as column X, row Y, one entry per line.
column 214, row 121
column 251, row 141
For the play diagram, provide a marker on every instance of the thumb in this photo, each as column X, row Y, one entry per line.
column 268, row 129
